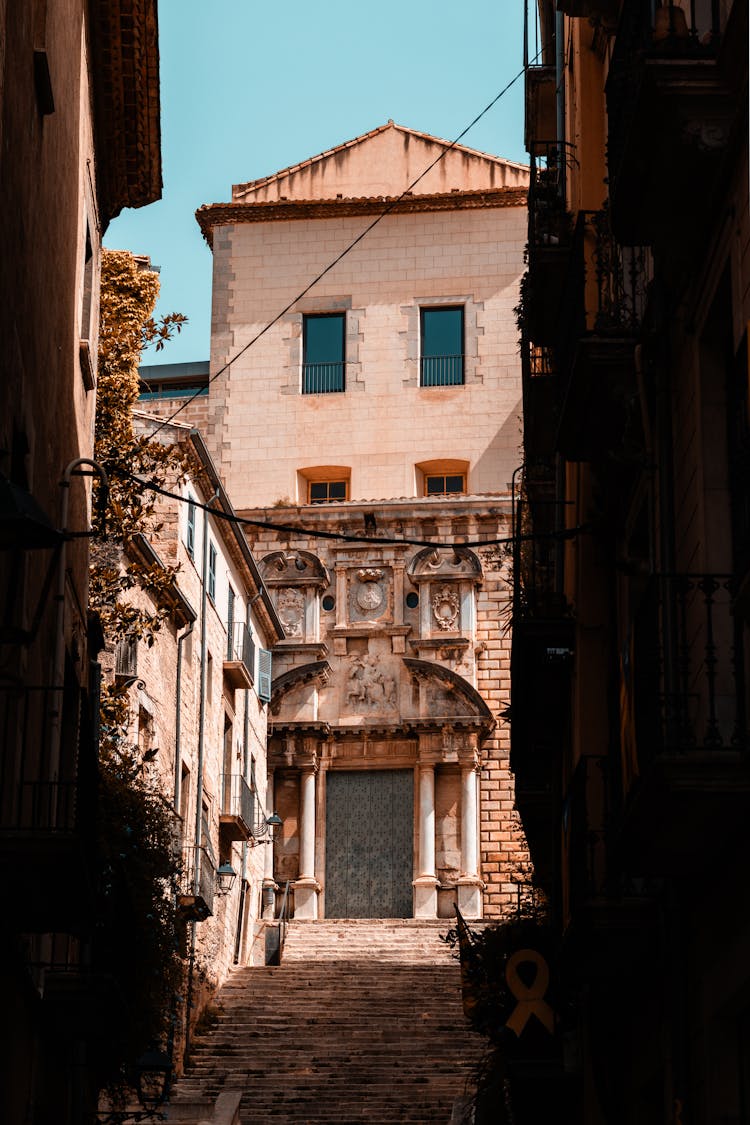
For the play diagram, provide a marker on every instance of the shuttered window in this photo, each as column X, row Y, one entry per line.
column 264, row 675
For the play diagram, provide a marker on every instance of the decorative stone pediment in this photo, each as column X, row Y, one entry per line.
column 294, row 568
column 445, row 695
column 318, row 671
column 450, row 564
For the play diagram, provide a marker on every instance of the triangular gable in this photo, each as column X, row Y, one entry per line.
column 383, row 163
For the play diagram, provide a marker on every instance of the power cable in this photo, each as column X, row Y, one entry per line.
column 316, row 533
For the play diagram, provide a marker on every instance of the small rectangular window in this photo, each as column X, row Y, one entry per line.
column 211, row 584
column 442, row 351
column 190, row 531
column 323, row 491
column 323, row 353
column 443, row 485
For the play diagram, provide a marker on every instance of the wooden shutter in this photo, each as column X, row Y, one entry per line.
column 264, row 675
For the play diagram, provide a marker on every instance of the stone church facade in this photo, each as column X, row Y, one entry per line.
column 372, row 432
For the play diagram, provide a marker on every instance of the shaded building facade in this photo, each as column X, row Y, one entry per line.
column 629, row 732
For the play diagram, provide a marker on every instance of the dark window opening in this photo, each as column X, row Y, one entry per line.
column 442, row 353
column 412, row 599
column 323, row 353
column 442, row 485
column 323, row 491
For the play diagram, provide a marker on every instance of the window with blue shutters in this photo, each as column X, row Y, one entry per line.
column 190, row 532
column 211, row 584
column 264, row 675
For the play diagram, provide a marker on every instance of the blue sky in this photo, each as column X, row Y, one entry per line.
column 248, row 88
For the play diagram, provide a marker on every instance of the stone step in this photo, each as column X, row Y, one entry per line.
column 362, row 1021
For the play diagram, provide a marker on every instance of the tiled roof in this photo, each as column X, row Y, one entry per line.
column 212, row 215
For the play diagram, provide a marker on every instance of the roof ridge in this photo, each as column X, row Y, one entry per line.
column 238, row 190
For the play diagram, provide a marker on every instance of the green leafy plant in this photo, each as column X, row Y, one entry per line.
column 138, row 945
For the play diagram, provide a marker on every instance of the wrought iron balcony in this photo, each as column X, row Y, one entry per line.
column 603, row 306
column 683, row 720
column 540, row 386
column 323, row 378
column 237, row 815
column 47, row 824
column 198, row 883
column 691, row 644
column 549, row 239
column 670, row 110
column 441, row 370
column 239, row 659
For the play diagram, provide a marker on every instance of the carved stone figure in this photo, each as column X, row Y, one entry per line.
column 368, row 688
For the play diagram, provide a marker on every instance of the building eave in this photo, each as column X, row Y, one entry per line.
column 212, row 215
column 124, row 43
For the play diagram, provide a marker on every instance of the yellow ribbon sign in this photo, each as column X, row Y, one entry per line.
column 530, row 998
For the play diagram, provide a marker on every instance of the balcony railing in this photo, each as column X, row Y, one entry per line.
column 606, row 288
column 239, row 659
column 198, row 883
column 661, row 70
column 323, row 378
column 550, row 165
column 684, row 689
column 29, row 801
column 441, row 370
column 238, row 807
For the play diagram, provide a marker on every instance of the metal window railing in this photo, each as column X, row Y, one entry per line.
column 648, row 29
column 199, row 875
column 238, row 798
column 322, row 378
column 30, row 800
column 685, row 668
column 441, row 370
column 240, row 645
column 550, row 163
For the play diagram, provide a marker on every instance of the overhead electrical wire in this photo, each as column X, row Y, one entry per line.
column 318, row 533
column 347, row 249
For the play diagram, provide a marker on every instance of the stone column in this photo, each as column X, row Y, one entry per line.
column 469, row 884
column 425, row 885
column 269, row 883
column 306, row 886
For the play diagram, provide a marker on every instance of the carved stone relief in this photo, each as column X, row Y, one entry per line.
column 445, row 607
column 368, row 594
column 290, row 606
column 369, row 688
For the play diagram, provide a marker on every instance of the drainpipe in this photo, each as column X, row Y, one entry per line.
column 178, row 722
column 199, row 780
column 202, row 699
column 560, row 98
column 243, row 870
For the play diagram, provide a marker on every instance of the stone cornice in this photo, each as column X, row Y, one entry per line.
column 125, row 77
column 212, row 215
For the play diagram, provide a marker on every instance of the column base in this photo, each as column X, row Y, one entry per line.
column 469, row 894
column 306, row 898
column 425, row 896
column 269, row 900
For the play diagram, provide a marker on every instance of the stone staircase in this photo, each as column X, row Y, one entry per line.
column 362, row 1021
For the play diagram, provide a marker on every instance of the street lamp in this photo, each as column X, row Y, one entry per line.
column 150, row 1077
column 264, row 826
column 225, row 877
